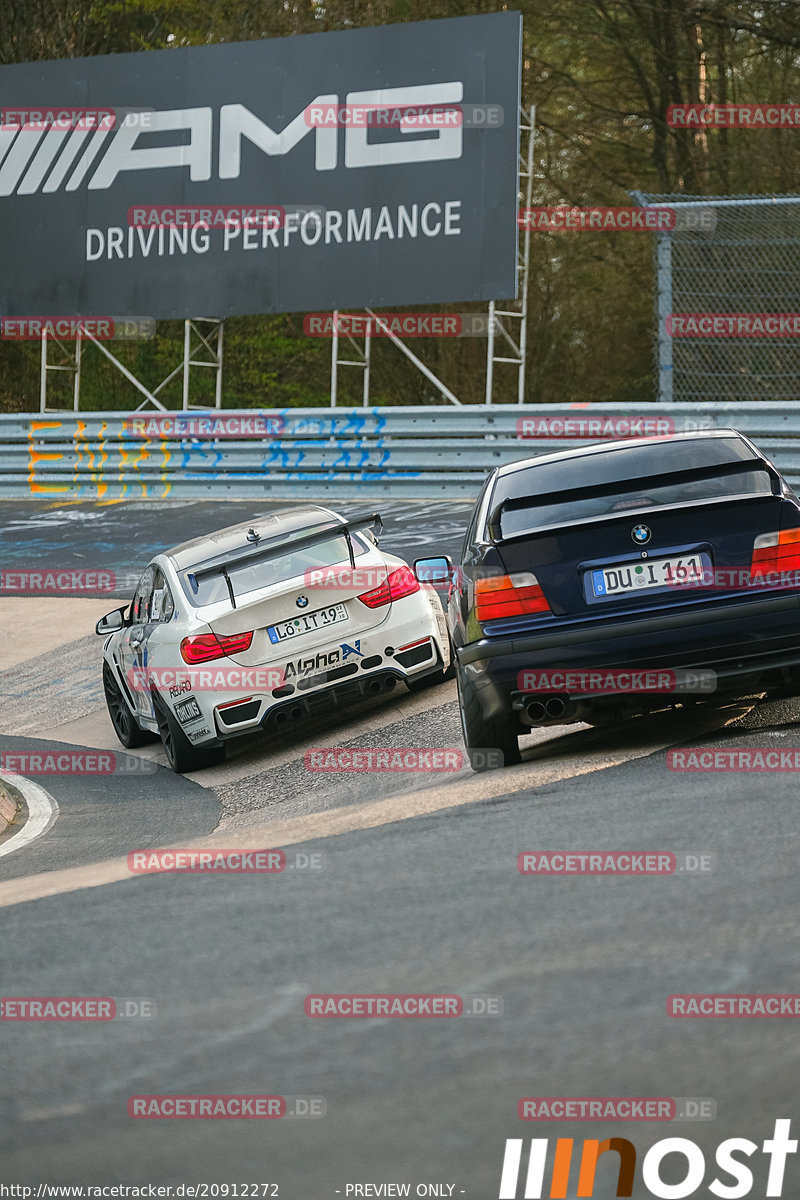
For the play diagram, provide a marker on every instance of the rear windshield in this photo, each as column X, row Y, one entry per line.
column 265, row 572
column 630, row 467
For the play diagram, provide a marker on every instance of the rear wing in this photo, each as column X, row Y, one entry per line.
column 286, row 546
column 690, row 475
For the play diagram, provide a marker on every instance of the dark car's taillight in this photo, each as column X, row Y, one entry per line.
column 205, row 647
column 509, row 596
column 774, row 554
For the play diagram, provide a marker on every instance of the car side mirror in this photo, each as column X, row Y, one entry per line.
column 437, row 570
column 112, row 622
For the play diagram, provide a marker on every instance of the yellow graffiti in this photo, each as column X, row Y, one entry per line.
column 36, row 456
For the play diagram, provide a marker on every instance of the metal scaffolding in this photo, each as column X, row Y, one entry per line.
column 202, row 336
column 509, row 323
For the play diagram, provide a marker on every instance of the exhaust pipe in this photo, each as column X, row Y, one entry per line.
column 296, row 712
column 542, row 712
column 389, row 683
column 374, row 686
column 535, row 712
column 281, row 717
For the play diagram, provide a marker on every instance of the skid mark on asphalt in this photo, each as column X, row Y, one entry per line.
column 566, row 758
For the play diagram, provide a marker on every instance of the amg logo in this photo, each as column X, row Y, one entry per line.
column 43, row 159
column 304, row 666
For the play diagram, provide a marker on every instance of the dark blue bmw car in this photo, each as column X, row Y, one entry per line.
column 623, row 577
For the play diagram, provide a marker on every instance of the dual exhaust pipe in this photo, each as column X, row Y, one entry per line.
column 383, row 683
column 283, row 715
column 553, row 708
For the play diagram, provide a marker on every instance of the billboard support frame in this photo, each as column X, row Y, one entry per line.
column 46, row 366
column 213, row 342
column 519, row 345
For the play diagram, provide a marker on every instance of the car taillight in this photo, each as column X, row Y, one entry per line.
column 509, row 596
column 774, row 554
column 207, row 646
column 402, row 582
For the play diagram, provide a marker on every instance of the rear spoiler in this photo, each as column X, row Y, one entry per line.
column 333, row 529
column 519, row 503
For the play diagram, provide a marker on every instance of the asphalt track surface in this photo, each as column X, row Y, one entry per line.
column 415, row 889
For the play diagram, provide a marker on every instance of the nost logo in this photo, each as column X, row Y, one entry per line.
column 46, row 167
column 691, row 1160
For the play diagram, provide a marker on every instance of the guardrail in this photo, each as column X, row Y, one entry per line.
column 420, row 453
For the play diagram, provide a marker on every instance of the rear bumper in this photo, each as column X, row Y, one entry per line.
column 738, row 641
column 339, row 695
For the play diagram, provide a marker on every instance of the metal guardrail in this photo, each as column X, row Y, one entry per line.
column 420, row 453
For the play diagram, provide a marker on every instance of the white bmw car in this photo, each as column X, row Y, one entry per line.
column 259, row 624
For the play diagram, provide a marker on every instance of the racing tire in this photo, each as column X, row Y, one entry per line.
column 489, row 744
column 126, row 727
column 182, row 756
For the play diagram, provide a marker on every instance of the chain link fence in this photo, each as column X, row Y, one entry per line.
column 728, row 255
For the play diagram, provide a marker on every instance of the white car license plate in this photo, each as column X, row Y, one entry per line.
column 654, row 573
column 318, row 619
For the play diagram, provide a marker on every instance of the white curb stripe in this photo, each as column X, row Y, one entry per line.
column 42, row 812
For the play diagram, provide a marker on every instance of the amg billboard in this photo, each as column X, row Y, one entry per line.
column 370, row 167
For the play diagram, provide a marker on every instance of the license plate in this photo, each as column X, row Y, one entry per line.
column 318, row 619
column 655, row 573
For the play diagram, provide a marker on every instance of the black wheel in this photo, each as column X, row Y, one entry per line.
column 125, row 725
column 182, row 756
column 489, row 744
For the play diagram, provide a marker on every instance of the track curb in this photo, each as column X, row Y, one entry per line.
column 10, row 804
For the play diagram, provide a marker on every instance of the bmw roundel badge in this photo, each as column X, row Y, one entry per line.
column 641, row 534
column 301, row 601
